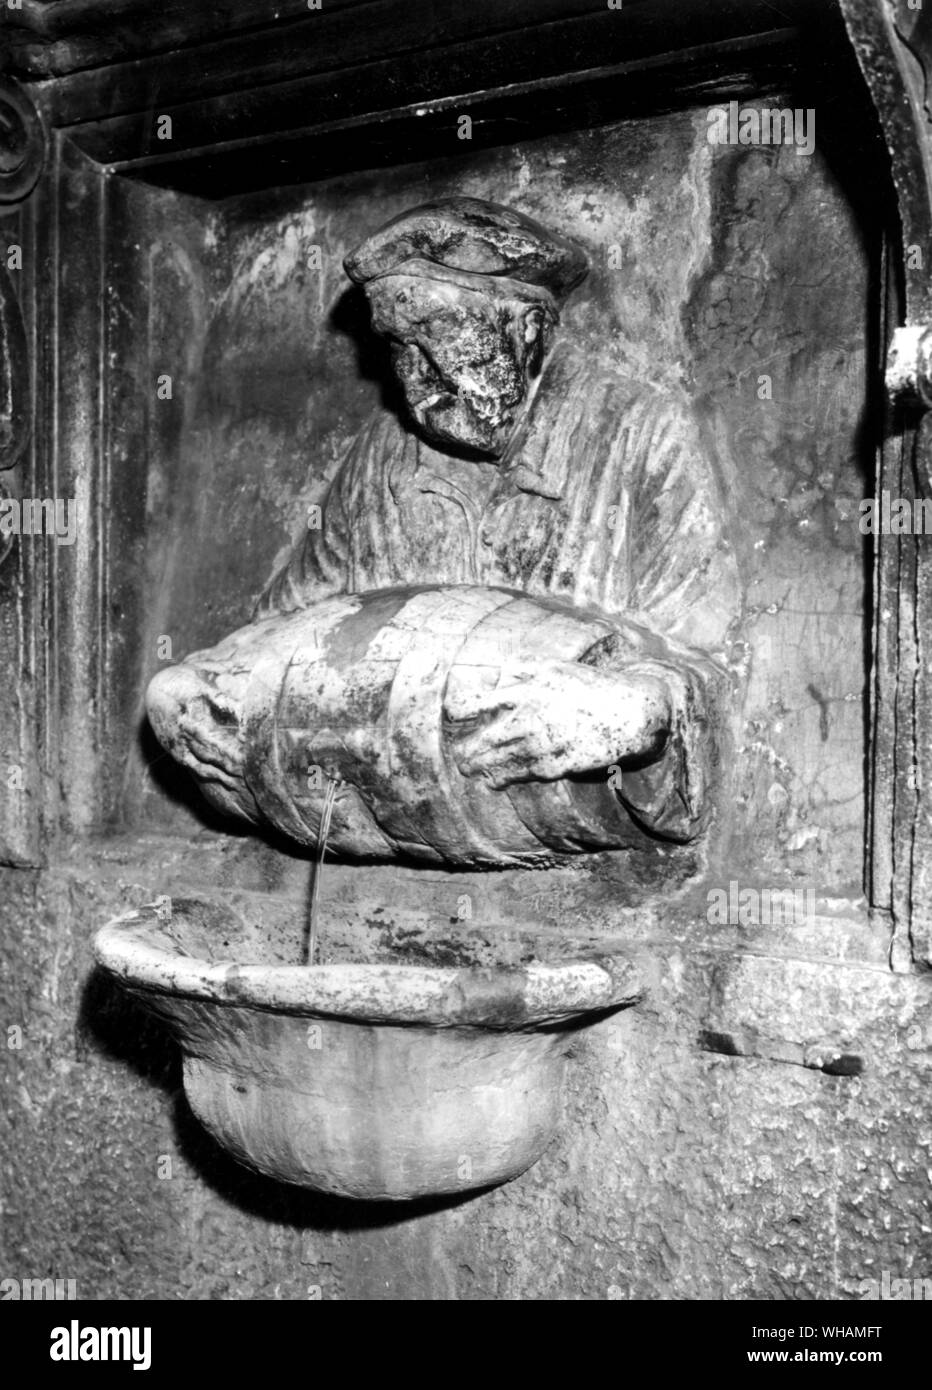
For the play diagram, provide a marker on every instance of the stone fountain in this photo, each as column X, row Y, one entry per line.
column 501, row 647
column 377, row 1080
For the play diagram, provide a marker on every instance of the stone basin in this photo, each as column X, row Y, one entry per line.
column 375, row 1080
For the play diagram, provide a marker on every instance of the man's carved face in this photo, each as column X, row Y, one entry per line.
column 197, row 710
column 464, row 352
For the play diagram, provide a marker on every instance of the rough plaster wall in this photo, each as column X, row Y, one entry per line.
column 679, row 1172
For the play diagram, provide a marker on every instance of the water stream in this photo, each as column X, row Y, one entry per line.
column 317, row 868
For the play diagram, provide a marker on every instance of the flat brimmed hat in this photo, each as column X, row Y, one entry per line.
column 475, row 237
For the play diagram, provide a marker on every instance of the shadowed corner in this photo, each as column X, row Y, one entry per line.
column 351, row 318
column 111, row 1024
column 180, row 789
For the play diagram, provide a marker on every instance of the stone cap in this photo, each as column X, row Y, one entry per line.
column 473, row 236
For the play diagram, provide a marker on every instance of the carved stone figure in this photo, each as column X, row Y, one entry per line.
column 504, row 639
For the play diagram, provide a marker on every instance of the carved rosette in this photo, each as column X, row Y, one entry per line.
column 22, row 151
column 22, row 143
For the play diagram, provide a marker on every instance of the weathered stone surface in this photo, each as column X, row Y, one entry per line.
column 399, row 676
column 14, row 379
column 377, row 1081
column 257, row 450
column 475, row 236
column 679, row 1172
column 22, row 142
column 466, row 724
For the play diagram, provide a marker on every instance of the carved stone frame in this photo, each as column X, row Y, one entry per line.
column 893, row 44
column 22, row 777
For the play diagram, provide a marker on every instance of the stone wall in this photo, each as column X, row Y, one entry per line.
column 680, row 1172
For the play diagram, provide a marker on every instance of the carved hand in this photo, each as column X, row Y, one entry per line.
column 559, row 718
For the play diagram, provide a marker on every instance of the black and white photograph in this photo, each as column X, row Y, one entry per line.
column 466, row 623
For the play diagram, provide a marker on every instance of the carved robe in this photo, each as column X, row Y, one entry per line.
column 605, row 501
